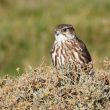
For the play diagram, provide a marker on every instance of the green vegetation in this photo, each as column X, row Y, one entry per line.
column 27, row 29
column 26, row 37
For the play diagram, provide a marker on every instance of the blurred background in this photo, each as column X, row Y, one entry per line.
column 27, row 30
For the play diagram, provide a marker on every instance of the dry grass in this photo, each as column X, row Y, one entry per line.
column 44, row 88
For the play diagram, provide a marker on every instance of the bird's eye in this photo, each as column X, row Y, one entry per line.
column 64, row 30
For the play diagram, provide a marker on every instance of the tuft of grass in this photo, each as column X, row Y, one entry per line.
column 44, row 88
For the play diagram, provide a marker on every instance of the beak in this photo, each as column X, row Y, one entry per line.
column 57, row 33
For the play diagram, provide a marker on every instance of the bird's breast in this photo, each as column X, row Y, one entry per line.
column 60, row 54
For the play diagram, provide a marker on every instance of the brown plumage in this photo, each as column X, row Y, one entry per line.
column 68, row 48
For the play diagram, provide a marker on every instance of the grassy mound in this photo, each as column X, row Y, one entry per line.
column 44, row 88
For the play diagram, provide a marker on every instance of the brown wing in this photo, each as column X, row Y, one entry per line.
column 84, row 51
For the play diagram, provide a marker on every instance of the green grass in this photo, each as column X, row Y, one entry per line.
column 26, row 37
column 27, row 29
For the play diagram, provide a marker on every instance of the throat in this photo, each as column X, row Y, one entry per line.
column 60, row 38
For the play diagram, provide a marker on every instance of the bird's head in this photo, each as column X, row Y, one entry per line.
column 64, row 32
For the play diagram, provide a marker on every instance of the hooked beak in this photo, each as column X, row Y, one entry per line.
column 57, row 33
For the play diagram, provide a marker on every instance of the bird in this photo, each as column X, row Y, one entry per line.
column 69, row 49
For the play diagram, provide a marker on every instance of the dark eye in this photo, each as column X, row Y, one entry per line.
column 64, row 30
